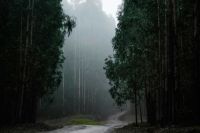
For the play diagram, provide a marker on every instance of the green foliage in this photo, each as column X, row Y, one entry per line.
column 126, row 69
column 82, row 121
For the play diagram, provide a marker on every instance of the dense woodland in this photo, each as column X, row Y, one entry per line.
column 156, row 60
column 31, row 39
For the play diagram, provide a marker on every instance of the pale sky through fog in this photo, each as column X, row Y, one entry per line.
column 110, row 7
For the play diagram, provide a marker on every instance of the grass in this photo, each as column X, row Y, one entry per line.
column 83, row 121
column 51, row 125
column 145, row 128
column 29, row 128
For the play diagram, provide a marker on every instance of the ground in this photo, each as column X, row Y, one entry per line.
column 79, row 124
column 76, row 124
column 107, row 127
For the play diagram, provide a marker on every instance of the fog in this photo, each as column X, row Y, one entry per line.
column 85, row 89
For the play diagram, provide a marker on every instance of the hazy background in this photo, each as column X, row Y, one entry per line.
column 85, row 89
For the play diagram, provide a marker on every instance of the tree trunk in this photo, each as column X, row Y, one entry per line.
column 172, row 62
column 159, row 61
column 136, row 109
column 75, row 78
column 141, row 115
column 63, row 91
column 165, row 67
column 79, row 81
column 24, row 78
column 18, row 115
column 196, row 59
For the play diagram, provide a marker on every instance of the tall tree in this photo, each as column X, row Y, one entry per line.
column 31, row 55
column 157, row 41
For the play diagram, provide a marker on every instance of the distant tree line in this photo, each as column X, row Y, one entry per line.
column 157, row 59
column 31, row 39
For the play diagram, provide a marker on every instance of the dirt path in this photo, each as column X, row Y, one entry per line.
column 113, row 122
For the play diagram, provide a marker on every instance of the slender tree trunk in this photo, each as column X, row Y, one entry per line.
column 25, row 61
column 159, row 61
column 84, row 94
column 32, row 21
column 75, row 64
column 63, row 91
column 196, row 59
column 82, row 84
column 165, row 98
column 146, row 93
column 172, row 59
column 136, row 108
column 79, row 83
column 141, row 115
column 84, row 110
column 34, row 97
column 18, row 115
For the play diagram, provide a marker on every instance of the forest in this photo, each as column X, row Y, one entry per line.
column 99, row 66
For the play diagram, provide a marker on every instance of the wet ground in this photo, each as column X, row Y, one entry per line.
column 112, row 123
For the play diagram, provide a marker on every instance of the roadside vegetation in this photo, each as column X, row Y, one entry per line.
column 50, row 125
column 132, row 128
column 83, row 121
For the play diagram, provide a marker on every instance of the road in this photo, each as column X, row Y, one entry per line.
column 113, row 122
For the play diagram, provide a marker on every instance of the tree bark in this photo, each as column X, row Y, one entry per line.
column 24, row 78
column 136, row 108
column 141, row 115
column 172, row 61
column 159, row 61
column 196, row 59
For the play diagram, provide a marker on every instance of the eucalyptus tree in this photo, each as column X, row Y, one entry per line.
column 32, row 34
column 155, row 54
